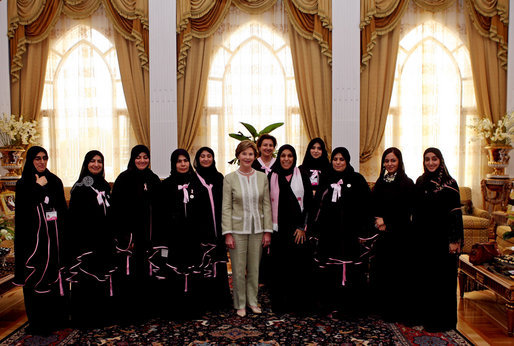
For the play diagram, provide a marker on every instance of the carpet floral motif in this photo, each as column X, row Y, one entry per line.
column 226, row 328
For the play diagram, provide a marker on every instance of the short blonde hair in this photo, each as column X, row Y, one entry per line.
column 243, row 145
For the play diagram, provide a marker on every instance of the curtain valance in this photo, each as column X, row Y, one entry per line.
column 31, row 21
column 491, row 19
column 201, row 18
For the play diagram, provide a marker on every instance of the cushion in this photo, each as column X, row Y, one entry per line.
column 475, row 222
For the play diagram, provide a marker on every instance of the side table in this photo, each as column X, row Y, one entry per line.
column 502, row 286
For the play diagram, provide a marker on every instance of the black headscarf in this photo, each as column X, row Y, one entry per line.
column 138, row 149
column 334, row 175
column 440, row 175
column 401, row 166
column 207, row 173
column 277, row 167
column 29, row 170
column 180, row 178
column 98, row 179
column 321, row 163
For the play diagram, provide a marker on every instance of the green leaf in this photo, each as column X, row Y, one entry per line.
column 250, row 129
column 239, row 136
column 270, row 128
column 508, row 235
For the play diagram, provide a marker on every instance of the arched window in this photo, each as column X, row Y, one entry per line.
column 83, row 104
column 433, row 101
column 251, row 80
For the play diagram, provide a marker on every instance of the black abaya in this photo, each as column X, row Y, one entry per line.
column 91, row 244
column 39, row 263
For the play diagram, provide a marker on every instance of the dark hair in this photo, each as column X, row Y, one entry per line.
column 277, row 166
column 89, row 156
column 322, row 161
column 266, row 136
column 29, row 170
column 174, row 159
column 134, row 153
column 196, row 162
column 441, row 173
column 398, row 154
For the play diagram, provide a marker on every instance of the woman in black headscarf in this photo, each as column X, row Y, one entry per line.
column 291, row 258
column 212, row 180
column 190, row 236
column 438, row 220
column 39, row 219
column 393, row 198
column 90, row 244
column 315, row 162
column 343, row 217
column 133, row 201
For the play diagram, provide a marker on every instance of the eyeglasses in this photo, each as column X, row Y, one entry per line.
column 39, row 158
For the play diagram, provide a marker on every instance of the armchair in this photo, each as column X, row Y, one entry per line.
column 477, row 222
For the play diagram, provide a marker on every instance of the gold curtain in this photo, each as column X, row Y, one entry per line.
column 488, row 30
column 379, row 37
column 488, row 37
column 199, row 19
column 30, row 23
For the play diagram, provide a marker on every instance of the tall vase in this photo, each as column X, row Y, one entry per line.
column 12, row 161
column 498, row 160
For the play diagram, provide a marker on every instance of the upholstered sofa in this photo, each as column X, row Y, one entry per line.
column 477, row 222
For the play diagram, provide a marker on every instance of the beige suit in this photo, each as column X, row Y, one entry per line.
column 246, row 214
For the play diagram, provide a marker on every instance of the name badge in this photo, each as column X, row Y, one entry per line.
column 51, row 215
column 164, row 252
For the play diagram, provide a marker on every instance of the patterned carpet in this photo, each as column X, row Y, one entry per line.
column 264, row 329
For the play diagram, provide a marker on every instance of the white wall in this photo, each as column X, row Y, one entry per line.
column 5, row 96
column 163, row 86
column 346, row 77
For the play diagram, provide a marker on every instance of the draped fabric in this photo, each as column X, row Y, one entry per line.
column 488, row 45
column 487, row 25
column 30, row 23
column 199, row 19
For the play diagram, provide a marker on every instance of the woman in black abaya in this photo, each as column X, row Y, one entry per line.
column 218, row 288
column 133, row 201
column 291, row 258
column 90, row 244
column 438, row 219
column 39, row 219
column 393, row 198
column 343, row 217
column 315, row 162
column 190, row 238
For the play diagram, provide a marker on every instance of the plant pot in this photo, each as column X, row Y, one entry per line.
column 12, row 161
column 498, row 160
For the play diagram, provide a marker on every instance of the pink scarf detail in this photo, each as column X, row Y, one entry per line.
column 209, row 190
column 337, row 190
column 296, row 186
column 267, row 169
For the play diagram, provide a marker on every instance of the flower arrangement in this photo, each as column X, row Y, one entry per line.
column 500, row 133
column 6, row 229
column 16, row 132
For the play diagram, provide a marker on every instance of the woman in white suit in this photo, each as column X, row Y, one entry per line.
column 246, row 225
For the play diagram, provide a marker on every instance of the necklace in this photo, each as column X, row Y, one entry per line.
column 246, row 173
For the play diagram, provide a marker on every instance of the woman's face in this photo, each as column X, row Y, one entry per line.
column 338, row 163
column 95, row 165
column 182, row 164
column 267, row 148
column 286, row 159
column 40, row 161
column 142, row 161
column 246, row 158
column 391, row 163
column 316, row 151
column 205, row 159
column 432, row 162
